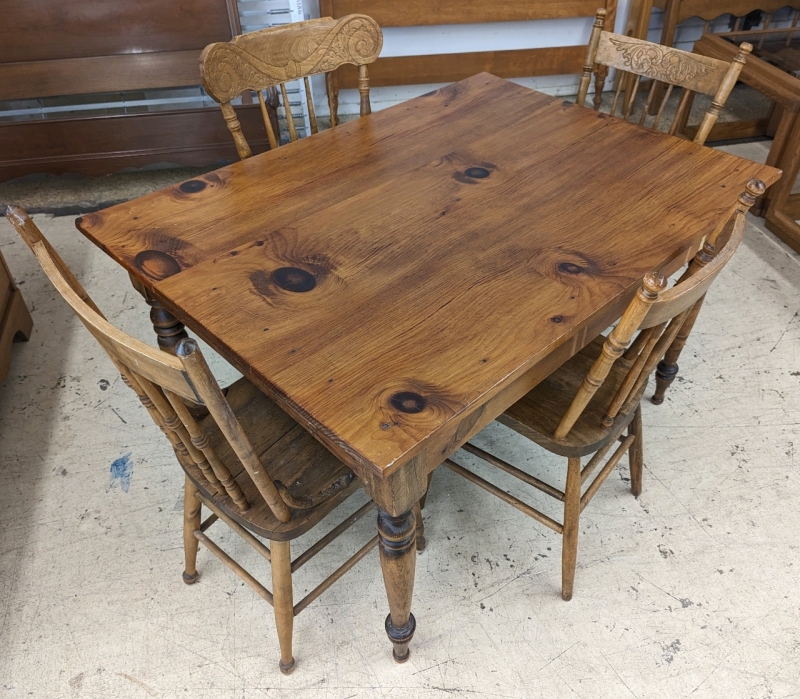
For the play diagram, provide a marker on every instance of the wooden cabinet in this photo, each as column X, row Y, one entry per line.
column 97, row 47
column 15, row 321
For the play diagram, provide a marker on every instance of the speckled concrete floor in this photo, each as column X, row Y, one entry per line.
column 689, row 591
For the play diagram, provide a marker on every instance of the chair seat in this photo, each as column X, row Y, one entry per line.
column 537, row 414
column 290, row 455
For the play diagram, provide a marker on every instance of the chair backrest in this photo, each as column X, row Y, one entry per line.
column 450, row 67
column 265, row 60
column 662, row 65
column 658, row 313
column 162, row 382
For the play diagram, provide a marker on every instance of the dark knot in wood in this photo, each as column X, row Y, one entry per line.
column 156, row 264
column 293, row 279
column 557, row 319
column 408, row 402
column 477, row 173
column 569, row 268
column 192, row 186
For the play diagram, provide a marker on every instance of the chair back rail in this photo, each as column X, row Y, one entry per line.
column 664, row 66
column 161, row 381
column 658, row 314
column 265, row 60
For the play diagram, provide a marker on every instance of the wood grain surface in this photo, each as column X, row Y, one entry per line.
column 387, row 280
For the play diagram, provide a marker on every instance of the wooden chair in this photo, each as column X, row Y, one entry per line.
column 265, row 60
column 586, row 405
column 638, row 59
column 248, row 462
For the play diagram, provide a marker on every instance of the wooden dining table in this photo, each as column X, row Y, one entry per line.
column 397, row 282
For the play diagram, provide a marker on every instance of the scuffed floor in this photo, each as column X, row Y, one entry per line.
column 691, row 591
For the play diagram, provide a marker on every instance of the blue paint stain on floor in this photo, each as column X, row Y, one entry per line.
column 121, row 470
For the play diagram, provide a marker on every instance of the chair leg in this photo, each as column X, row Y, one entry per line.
column 191, row 523
column 420, row 525
column 636, row 453
column 425, row 497
column 572, row 511
column 667, row 368
column 283, row 601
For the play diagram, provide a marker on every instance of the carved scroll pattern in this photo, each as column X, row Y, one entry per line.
column 228, row 69
column 660, row 63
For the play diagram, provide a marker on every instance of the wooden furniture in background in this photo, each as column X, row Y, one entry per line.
column 583, row 408
column 92, row 46
column 15, row 321
column 770, row 75
column 396, row 283
column 445, row 68
column 248, row 462
column 677, row 11
column 267, row 59
column 662, row 66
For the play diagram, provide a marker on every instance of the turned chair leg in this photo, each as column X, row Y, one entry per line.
column 420, row 525
column 636, row 453
column 283, row 601
column 191, row 523
column 425, row 497
column 572, row 512
column 667, row 368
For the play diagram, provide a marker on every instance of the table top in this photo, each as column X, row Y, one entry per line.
column 385, row 279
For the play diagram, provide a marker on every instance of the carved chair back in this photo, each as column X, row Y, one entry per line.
column 638, row 59
column 162, row 382
column 265, row 60
column 658, row 314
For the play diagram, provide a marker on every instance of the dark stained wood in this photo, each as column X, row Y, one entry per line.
column 99, row 145
column 348, row 236
column 15, row 321
column 82, row 28
column 419, row 70
column 92, row 46
column 94, row 74
column 452, row 269
column 413, row 70
column 390, row 13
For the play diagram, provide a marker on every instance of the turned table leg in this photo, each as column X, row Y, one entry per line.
column 169, row 330
column 398, row 560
